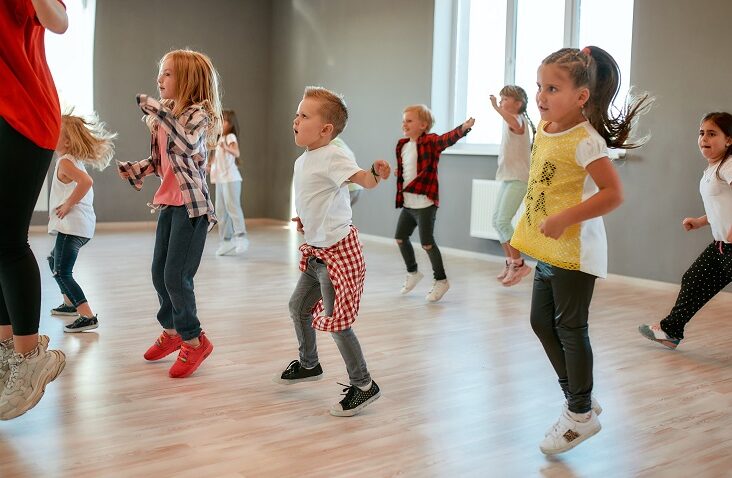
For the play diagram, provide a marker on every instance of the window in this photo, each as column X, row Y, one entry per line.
column 482, row 45
column 71, row 59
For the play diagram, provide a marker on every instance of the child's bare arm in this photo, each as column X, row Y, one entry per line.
column 509, row 118
column 67, row 172
column 52, row 15
column 609, row 197
column 369, row 179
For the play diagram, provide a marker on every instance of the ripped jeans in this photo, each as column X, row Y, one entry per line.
column 61, row 260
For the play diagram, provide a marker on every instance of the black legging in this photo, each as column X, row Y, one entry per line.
column 24, row 166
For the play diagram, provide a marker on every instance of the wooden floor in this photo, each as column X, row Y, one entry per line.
column 466, row 387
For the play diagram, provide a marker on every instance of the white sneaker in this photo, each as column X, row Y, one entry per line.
column 515, row 274
column 7, row 352
column 411, row 281
column 595, row 405
column 28, row 379
column 568, row 433
column 242, row 243
column 439, row 287
column 225, row 247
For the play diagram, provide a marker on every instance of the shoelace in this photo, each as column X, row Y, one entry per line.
column 185, row 349
column 348, row 391
column 14, row 374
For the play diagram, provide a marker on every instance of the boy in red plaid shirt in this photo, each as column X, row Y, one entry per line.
column 418, row 192
column 332, row 264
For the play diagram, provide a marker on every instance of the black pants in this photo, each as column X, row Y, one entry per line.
column 423, row 218
column 560, row 305
column 24, row 167
column 709, row 274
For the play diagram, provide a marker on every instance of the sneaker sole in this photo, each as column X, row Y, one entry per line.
column 354, row 411
column 646, row 332
column 226, row 252
column 38, row 390
column 80, row 329
column 517, row 279
column 65, row 314
column 279, row 380
column 571, row 444
column 190, row 371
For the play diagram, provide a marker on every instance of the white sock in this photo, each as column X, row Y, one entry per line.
column 366, row 388
column 309, row 368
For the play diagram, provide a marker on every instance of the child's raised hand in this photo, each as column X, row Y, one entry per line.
column 299, row 224
column 494, row 102
column 468, row 124
column 382, row 168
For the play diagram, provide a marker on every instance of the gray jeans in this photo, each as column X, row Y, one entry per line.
column 313, row 285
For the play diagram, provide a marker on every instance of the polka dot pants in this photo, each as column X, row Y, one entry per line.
column 709, row 274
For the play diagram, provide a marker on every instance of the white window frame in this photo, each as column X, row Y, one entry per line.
column 450, row 65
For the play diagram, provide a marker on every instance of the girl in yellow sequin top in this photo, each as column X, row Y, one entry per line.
column 572, row 184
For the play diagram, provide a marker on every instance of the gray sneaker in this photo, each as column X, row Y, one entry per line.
column 28, row 379
column 7, row 352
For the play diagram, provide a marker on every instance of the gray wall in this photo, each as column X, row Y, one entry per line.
column 130, row 39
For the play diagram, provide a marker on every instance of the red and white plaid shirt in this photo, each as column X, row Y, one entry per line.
column 429, row 147
column 347, row 271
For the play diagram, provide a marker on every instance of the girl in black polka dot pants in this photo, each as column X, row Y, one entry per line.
column 712, row 270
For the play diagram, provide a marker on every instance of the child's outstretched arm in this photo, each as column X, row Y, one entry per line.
column 690, row 223
column 451, row 137
column 609, row 197
column 509, row 118
column 134, row 172
column 369, row 179
column 185, row 136
column 67, row 172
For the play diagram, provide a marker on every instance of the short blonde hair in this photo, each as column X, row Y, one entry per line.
column 88, row 140
column 424, row 114
column 196, row 82
column 333, row 108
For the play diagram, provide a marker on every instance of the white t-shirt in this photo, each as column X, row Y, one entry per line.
column 409, row 172
column 513, row 155
column 224, row 169
column 322, row 201
column 717, row 197
column 81, row 220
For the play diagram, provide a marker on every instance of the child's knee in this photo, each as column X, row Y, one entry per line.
column 399, row 241
column 427, row 247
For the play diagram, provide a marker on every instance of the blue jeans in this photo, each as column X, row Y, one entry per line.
column 228, row 210
column 61, row 260
column 313, row 285
column 179, row 242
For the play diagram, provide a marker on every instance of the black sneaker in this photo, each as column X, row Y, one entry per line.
column 295, row 373
column 82, row 323
column 63, row 309
column 355, row 400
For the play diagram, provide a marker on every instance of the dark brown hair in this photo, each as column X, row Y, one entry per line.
column 595, row 69
column 723, row 120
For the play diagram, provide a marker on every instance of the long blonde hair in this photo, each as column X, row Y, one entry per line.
column 196, row 83
column 88, row 139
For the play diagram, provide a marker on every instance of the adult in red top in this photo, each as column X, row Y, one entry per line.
column 29, row 129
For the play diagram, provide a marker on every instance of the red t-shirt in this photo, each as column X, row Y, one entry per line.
column 28, row 98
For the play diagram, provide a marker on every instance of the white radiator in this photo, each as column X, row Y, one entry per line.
column 482, row 205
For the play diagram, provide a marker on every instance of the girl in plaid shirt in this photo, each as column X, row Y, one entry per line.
column 185, row 125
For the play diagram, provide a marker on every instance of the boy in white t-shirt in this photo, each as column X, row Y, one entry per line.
column 332, row 264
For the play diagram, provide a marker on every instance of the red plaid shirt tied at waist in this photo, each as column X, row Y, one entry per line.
column 429, row 147
column 347, row 271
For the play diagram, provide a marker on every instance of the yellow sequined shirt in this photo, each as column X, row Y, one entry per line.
column 558, row 180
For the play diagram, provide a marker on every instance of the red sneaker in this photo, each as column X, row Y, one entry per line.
column 163, row 346
column 190, row 357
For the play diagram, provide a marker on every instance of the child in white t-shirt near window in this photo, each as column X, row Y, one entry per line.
column 225, row 174
column 332, row 264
